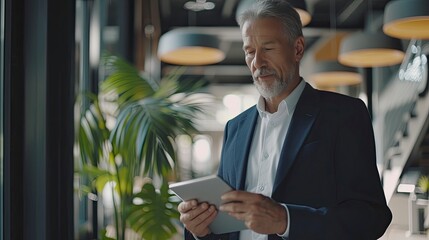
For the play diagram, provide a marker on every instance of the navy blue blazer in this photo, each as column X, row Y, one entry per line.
column 327, row 172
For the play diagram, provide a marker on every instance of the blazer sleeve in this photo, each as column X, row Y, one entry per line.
column 360, row 210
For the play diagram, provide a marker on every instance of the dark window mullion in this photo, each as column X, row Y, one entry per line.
column 39, row 96
column 13, row 119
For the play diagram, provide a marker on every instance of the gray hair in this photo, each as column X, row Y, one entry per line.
column 279, row 9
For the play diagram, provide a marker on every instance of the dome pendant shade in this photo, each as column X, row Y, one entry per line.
column 304, row 16
column 407, row 19
column 332, row 74
column 183, row 47
column 367, row 49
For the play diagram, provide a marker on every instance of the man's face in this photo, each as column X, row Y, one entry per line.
column 271, row 58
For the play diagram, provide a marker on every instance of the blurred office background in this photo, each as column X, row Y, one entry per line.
column 52, row 51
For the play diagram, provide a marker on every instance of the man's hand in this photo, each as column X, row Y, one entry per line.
column 260, row 213
column 196, row 217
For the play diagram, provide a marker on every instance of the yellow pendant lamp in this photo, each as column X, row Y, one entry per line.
column 189, row 47
column 327, row 74
column 370, row 49
column 407, row 19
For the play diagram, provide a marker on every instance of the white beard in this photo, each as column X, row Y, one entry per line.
column 273, row 90
column 269, row 92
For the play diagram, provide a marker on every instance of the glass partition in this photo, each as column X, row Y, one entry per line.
column 97, row 32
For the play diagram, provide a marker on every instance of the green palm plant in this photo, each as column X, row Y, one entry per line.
column 141, row 144
column 423, row 184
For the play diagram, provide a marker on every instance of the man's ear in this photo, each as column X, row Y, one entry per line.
column 299, row 48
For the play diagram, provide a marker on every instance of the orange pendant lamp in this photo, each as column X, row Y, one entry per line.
column 370, row 49
column 407, row 19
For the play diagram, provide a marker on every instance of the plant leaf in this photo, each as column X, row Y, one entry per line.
column 155, row 218
column 125, row 81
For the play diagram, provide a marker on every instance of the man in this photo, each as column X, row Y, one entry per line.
column 302, row 160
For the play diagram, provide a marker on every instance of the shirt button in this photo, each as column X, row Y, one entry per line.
column 266, row 155
column 261, row 188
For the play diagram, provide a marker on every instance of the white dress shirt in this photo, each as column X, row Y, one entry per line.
column 270, row 133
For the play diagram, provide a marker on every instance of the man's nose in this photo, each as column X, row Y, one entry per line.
column 259, row 60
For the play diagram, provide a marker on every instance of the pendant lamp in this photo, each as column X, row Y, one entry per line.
column 327, row 74
column 304, row 15
column 189, row 47
column 370, row 49
column 407, row 19
column 299, row 5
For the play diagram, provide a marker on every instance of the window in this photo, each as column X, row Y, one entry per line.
column 98, row 31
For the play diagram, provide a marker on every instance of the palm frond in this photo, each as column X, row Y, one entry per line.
column 93, row 134
column 148, row 127
column 125, row 81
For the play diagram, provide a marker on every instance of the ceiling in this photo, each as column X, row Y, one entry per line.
column 350, row 15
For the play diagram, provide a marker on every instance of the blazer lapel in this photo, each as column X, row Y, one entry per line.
column 301, row 123
column 243, row 143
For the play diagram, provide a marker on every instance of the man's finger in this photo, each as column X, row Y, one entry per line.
column 241, row 196
column 187, row 206
column 199, row 224
column 194, row 212
column 202, row 229
column 234, row 196
column 209, row 216
column 239, row 216
column 233, row 207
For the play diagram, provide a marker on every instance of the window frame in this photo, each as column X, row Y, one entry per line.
column 38, row 119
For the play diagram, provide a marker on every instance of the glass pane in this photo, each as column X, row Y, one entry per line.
column 82, row 220
column 96, row 31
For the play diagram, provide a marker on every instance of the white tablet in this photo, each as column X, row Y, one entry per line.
column 209, row 189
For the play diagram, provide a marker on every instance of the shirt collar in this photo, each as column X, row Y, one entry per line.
column 288, row 104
